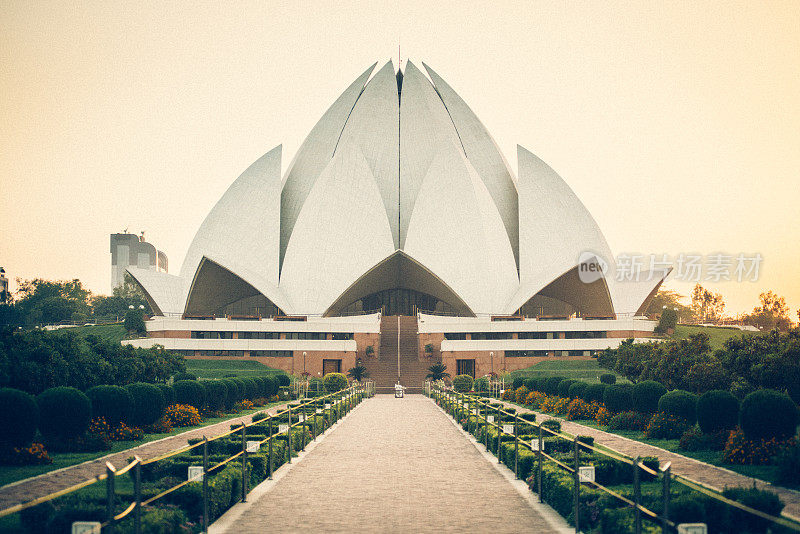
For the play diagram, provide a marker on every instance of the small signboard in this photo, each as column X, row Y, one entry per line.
column 692, row 528
column 195, row 473
column 319, row 410
column 86, row 527
column 535, row 445
column 283, row 428
column 502, row 391
column 586, row 473
column 508, row 429
column 490, row 419
column 253, row 446
column 327, row 405
column 301, row 417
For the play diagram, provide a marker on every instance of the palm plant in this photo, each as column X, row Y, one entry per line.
column 359, row 372
column 438, row 371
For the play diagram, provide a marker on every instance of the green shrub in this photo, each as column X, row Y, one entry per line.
column 148, row 403
column 717, row 410
column 271, row 385
column 216, row 394
column 629, row 421
column 666, row 426
column 190, row 392
column 788, row 463
column 552, row 424
column 646, row 395
column 667, row 322
column 518, row 382
column 168, row 392
column 595, row 392
column 551, row 384
column 481, row 384
column 64, row 412
column 283, row 379
column 528, row 416
column 252, row 388
column 113, row 403
column 463, row 383
column 767, row 414
column 334, row 382
column 531, row 384
column 679, row 403
column 608, row 378
column 19, row 417
column 618, row 398
column 577, row 390
column 764, row 501
column 235, row 392
column 183, row 375
column 563, row 387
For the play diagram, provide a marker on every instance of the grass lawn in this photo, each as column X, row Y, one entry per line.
column 717, row 335
column 9, row 474
column 586, row 370
column 223, row 368
column 110, row 332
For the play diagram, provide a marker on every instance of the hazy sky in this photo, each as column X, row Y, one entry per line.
column 677, row 124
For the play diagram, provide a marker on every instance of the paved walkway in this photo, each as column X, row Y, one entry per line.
column 393, row 465
column 708, row 475
column 47, row 483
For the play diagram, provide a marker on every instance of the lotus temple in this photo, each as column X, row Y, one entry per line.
column 398, row 236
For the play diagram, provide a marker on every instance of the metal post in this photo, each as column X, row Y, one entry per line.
column 637, row 497
column 499, row 433
column 270, row 447
column 516, row 446
column 314, row 421
column 305, row 427
column 486, row 425
column 576, row 485
column 539, row 464
column 289, row 436
column 205, row 484
column 137, row 491
column 244, row 463
column 110, row 492
column 666, row 473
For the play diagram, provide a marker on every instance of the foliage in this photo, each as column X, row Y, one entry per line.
column 283, row 379
column 670, row 300
column 554, row 404
column 695, row 440
column 646, row 395
column 437, row 371
column 190, row 392
column 334, row 382
column 520, row 394
column 184, row 375
column 359, row 372
column 41, row 302
column 551, row 385
column 243, row 405
column 767, row 414
column 666, row 426
column 618, row 398
column 680, row 404
column 112, row 403
column 216, row 393
column 179, row 415
column 29, row 454
column 462, row 383
column 563, row 387
column 577, row 390
column 552, row 424
column 168, row 392
column 148, row 403
column 788, row 462
column 603, row 416
column 64, row 412
column 740, row 450
column 19, row 417
column 629, row 421
column 580, row 409
column 123, row 432
column 36, row 360
column 595, row 392
column 134, row 321
column 707, row 306
column 771, row 313
column 668, row 321
column 518, row 382
column 117, row 305
column 252, row 388
column 534, row 399
column 764, row 501
column 608, row 378
column 481, row 384
column 717, row 410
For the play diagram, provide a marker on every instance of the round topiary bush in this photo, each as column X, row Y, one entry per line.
column 148, row 403
column 551, row 385
column 594, row 392
column 618, row 398
column 462, row 383
column 64, row 412
column 481, row 384
column 608, row 378
column 113, row 403
column 19, row 417
column 333, row 382
column 271, row 385
column 183, row 375
column 578, row 390
column 563, row 387
column 262, row 386
column 717, row 410
column 216, row 394
column 679, row 403
column 518, row 382
column 253, row 390
column 233, row 392
column 646, row 395
column 767, row 414
column 284, row 380
column 168, row 392
column 531, row 384
column 241, row 386
column 190, row 392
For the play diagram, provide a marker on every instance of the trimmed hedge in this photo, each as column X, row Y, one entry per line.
column 518, row 382
column 646, row 395
column 717, row 410
column 564, row 385
column 767, row 414
column 578, row 390
column 334, row 382
column 216, row 394
column 252, row 388
column 183, row 376
column 618, row 398
column 113, row 403
column 283, row 379
column 148, row 403
column 551, row 385
column 531, row 384
column 19, row 417
column 595, row 392
column 64, row 412
column 271, row 385
column 190, row 392
column 463, row 383
column 168, row 392
column 608, row 378
column 679, row 403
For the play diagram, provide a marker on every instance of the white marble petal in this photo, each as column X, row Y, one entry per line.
column 165, row 291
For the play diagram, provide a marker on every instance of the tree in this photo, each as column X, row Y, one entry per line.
column 438, row 371
column 117, row 305
column 49, row 302
column 707, row 306
column 134, row 323
column 359, row 372
column 369, row 351
column 666, row 299
column 772, row 313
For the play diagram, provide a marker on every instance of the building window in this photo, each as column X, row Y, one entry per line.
column 271, row 353
column 532, row 335
column 525, row 353
column 465, row 367
column 491, row 335
column 342, row 336
column 455, row 335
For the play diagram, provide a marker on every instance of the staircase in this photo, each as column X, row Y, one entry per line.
column 384, row 369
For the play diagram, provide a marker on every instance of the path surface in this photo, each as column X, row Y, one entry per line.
column 706, row 474
column 393, row 465
column 47, row 483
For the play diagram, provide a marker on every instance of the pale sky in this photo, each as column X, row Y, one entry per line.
column 677, row 124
